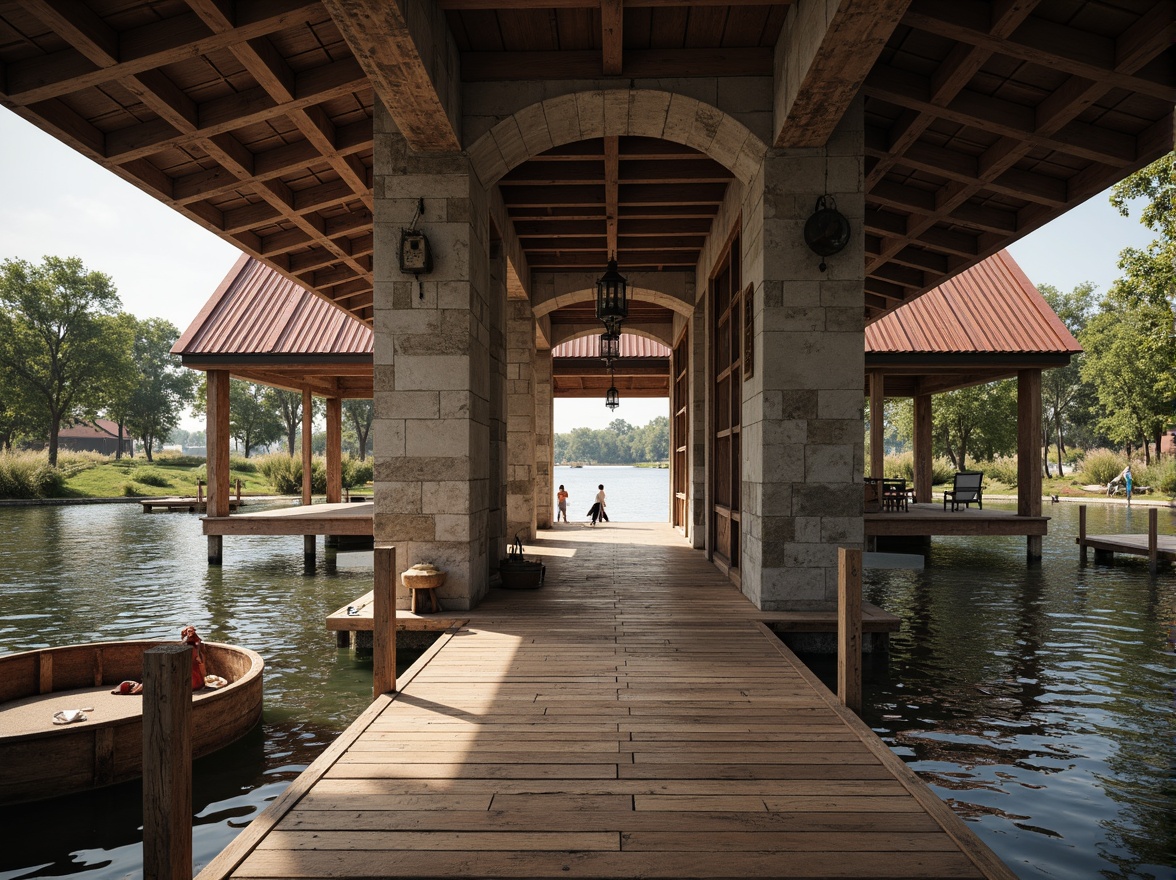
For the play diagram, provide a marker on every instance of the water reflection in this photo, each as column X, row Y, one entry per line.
column 86, row 573
column 1038, row 700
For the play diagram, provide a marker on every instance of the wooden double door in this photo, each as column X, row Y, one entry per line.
column 726, row 474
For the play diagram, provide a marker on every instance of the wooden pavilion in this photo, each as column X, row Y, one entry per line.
column 692, row 140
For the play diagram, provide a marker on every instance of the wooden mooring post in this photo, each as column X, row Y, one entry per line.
column 849, row 628
column 1153, row 541
column 167, row 762
column 1082, row 533
column 384, row 622
column 200, row 491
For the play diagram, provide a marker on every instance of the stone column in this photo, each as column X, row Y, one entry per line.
column 496, row 526
column 802, row 410
column 520, row 420
column 544, row 439
column 432, row 367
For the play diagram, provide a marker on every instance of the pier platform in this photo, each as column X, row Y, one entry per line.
column 923, row 520
column 183, row 505
column 311, row 519
column 631, row 718
column 1156, row 547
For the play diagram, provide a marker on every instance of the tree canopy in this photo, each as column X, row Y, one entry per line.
column 60, row 339
column 619, row 443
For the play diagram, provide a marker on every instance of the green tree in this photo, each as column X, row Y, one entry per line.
column 253, row 421
column 163, row 386
column 980, row 419
column 1065, row 397
column 288, row 407
column 359, row 415
column 58, row 331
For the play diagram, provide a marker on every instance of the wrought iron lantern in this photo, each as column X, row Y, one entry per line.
column 827, row 230
column 612, row 397
column 612, row 298
column 610, row 346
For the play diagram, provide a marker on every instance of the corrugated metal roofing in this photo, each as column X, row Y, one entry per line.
column 257, row 311
column 632, row 346
column 991, row 308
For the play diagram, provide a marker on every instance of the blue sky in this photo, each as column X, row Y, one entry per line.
column 56, row 201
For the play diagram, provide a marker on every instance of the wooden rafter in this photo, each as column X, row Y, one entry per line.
column 612, row 40
column 612, row 165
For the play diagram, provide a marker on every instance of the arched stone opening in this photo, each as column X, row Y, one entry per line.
column 621, row 112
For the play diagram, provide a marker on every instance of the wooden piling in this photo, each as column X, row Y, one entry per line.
column 200, row 491
column 238, row 491
column 384, row 622
column 167, row 762
column 1152, row 540
column 1082, row 533
column 849, row 628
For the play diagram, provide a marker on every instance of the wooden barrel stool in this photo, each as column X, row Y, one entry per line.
column 419, row 582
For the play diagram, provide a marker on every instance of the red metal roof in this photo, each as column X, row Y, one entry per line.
column 93, row 428
column 632, row 346
column 991, row 308
column 256, row 311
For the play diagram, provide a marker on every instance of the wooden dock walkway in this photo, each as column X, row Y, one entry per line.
column 1156, row 547
column 342, row 518
column 932, row 519
column 184, row 505
column 631, row 718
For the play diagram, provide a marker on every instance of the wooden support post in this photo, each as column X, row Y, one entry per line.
column 849, row 628
column 334, row 450
column 307, row 443
column 1152, row 540
column 308, row 546
column 877, row 424
column 1082, row 533
column 167, row 762
column 238, row 491
column 217, row 455
column 1028, row 452
column 200, row 491
column 922, row 446
column 384, row 622
column 45, row 678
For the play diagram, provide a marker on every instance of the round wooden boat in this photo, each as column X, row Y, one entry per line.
column 40, row 759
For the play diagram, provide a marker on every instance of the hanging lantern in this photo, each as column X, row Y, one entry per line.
column 612, row 302
column 610, row 346
column 612, row 397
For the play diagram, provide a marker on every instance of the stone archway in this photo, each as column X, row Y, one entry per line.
column 618, row 112
column 568, row 333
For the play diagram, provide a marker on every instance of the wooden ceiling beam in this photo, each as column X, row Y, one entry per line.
column 412, row 62
column 149, row 46
column 1052, row 45
column 231, row 112
column 612, row 40
column 823, row 55
column 1016, row 121
column 494, row 5
column 611, row 185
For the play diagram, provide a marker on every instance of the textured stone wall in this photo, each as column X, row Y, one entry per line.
column 432, row 367
column 520, row 420
column 802, row 411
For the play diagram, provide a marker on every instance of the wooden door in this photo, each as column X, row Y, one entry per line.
column 679, row 431
column 727, row 393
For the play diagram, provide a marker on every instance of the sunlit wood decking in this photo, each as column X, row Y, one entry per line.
column 629, row 719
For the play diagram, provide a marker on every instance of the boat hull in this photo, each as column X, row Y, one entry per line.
column 41, row 760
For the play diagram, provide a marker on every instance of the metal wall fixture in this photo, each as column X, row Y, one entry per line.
column 826, row 231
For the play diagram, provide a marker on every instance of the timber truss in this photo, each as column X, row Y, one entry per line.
column 984, row 119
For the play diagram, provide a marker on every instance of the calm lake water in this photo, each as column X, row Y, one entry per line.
column 1038, row 701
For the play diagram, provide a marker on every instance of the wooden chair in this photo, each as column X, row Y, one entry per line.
column 965, row 490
